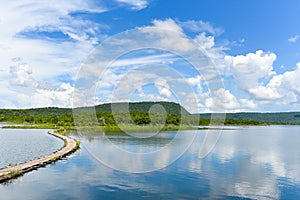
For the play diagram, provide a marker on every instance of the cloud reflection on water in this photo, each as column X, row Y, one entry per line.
column 255, row 162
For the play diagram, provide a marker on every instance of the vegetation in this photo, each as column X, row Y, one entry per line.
column 146, row 116
column 54, row 159
column 62, row 119
column 279, row 118
column 14, row 173
column 77, row 145
column 242, row 122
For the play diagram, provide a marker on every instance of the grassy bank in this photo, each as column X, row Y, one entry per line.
column 107, row 129
column 135, row 128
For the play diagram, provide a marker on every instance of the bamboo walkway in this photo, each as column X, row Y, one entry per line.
column 19, row 169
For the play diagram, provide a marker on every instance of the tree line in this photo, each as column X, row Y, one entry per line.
column 111, row 118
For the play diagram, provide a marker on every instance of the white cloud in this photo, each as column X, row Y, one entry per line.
column 282, row 89
column 172, row 39
column 293, row 39
column 265, row 93
column 46, row 98
column 254, row 74
column 201, row 26
column 31, row 93
column 285, row 86
column 167, row 24
column 29, row 14
column 42, row 59
column 248, row 70
column 194, row 81
column 163, row 87
column 22, row 75
column 279, row 160
column 34, row 78
column 223, row 100
column 135, row 4
column 291, row 79
column 151, row 59
column 205, row 42
column 247, row 104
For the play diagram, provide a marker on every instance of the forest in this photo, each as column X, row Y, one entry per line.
column 137, row 113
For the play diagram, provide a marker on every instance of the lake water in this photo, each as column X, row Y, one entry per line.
column 246, row 163
column 19, row 146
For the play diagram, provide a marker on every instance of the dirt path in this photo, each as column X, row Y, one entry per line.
column 17, row 170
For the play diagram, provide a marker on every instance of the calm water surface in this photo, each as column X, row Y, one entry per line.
column 246, row 163
column 18, row 146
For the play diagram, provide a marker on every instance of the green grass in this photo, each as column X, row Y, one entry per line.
column 13, row 173
column 32, row 126
column 54, row 159
column 133, row 128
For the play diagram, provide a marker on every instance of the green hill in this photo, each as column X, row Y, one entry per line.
column 54, row 115
column 140, row 112
column 170, row 107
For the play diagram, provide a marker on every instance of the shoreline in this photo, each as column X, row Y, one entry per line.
column 70, row 146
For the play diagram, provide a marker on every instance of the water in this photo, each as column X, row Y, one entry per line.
column 247, row 163
column 18, row 146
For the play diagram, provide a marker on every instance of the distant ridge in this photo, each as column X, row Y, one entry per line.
column 272, row 118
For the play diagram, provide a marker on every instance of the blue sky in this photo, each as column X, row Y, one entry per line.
column 254, row 45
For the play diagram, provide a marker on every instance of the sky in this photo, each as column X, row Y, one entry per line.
column 254, row 47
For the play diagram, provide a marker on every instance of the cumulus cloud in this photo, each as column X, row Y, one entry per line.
column 205, row 42
column 247, row 104
column 284, row 88
column 293, row 39
column 194, row 81
column 163, row 87
column 22, row 75
column 254, row 74
column 256, row 83
column 51, row 97
column 265, row 93
column 249, row 69
column 223, row 100
column 33, row 80
column 290, row 79
column 28, row 92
